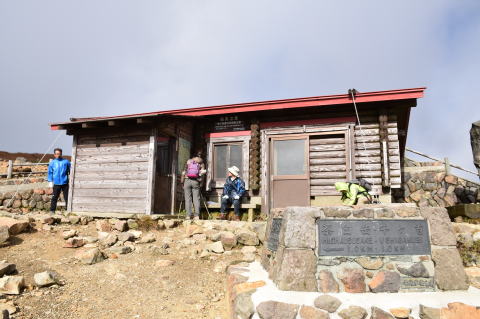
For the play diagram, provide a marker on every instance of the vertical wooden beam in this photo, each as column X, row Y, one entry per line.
column 174, row 170
column 351, row 138
column 71, row 177
column 152, row 156
column 447, row 166
column 383, row 131
column 10, row 169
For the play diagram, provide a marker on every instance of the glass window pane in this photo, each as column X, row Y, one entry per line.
column 220, row 159
column 236, row 156
column 289, row 157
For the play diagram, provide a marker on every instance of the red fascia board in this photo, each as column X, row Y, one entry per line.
column 349, row 119
column 377, row 96
column 226, row 134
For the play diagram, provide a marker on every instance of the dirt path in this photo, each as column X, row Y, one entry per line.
column 132, row 286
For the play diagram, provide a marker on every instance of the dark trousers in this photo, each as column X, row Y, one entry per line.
column 226, row 202
column 56, row 194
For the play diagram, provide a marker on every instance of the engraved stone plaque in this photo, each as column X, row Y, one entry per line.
column 274, row 237
column 421, row 284
column 374, row 237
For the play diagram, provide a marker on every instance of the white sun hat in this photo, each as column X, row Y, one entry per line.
column 234, row 170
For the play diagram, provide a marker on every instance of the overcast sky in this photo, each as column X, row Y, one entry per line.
column 62, row 59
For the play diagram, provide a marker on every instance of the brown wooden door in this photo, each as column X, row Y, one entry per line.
column 289, row 171
column 163, row 178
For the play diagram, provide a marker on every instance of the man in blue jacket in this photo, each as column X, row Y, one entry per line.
column 58, row 171
column 233, row 191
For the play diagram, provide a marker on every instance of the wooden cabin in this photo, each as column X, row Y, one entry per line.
column 290, row 152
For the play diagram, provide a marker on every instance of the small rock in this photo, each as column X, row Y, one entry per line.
column 136, row 233
column 7, row 268
column 132, row 224
column 74, row 242
column 15, row 226
column 248, row 250
column 216, row 247
column 326, row 282
column 147, row 238
column 378, row 313
column 199, row 237
column 327, row 302
column 353, row 280
column 307, row 312
column 69, row 233
column 385, row 281
column 84, row 220
column 370, row 263
column 353, row 312
column 460, row 310
column 102, row 235
column 74, row 219
column 4, row 234
column 90, row 256
column 204, row 254
column 415, row 270
column 90, row 239
column 46, row 278
column 169, row 223
column 49, row 220
column 164, row 263
column 192, row 229
column 120, row 250
column 428, row 312
column 108, row 241
column 228, row 239
column 11, row 285
column 120, row 225
column 161, row 225
column 277, row 310
column 248, row 257
column 401, row 313
column 103, row 225
column 473, row 274
column 125, row 236
column 247, row 237
column 220, row 267
column 7, row 309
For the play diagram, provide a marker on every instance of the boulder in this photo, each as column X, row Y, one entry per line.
column 103, row 225
column 449, row 272
column 11, row 285
column 120, row 225
column 297, row 270
column 74, row 219
column 125, row 236
column 15, row 226
column 90, row 256
column 327, row 303
column 69, row 233
column 108, row 241
column 46, row 278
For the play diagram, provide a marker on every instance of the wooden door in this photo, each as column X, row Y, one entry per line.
column 163, row 178
column 289, row 171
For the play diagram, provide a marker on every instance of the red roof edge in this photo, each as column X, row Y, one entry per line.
column 377, row 96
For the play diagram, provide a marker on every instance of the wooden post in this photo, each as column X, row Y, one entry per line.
column 71, row 177
column 383, row 131
column 10, row 169
column 447, row 166
column 152, row 156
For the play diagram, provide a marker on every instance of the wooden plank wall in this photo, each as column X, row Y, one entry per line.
column 111, row 174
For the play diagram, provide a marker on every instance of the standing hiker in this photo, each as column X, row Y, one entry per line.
column 192, row 181
column 233, row 191
column 58, row 171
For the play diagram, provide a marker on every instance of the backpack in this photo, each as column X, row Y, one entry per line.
column 362, row 182
column 193, row 169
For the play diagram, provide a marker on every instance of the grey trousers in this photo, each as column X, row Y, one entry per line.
column 191, row 189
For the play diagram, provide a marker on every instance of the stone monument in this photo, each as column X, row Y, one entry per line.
column 373, row 248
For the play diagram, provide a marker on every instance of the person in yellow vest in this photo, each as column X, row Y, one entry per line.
column 352, row 193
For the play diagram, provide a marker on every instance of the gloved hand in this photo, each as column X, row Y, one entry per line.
column 236, row 197
column 203, row 172
column 225, row 196
column 50, row 184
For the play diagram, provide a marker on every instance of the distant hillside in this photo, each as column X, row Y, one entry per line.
column 30, row 157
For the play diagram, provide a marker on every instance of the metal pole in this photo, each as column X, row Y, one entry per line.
column 10, row 169
column 447, row 166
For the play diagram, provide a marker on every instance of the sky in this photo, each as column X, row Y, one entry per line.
column 62, row 59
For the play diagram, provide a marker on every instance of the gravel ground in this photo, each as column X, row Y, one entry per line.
column 130, row 286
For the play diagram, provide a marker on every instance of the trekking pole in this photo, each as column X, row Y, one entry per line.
column 205, row 204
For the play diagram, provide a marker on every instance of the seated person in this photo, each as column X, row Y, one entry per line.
column 353, row 193
column 233, row 191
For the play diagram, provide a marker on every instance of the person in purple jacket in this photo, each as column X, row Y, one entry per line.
column 58, row 172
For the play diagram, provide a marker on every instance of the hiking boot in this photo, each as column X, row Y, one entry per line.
column 188, row 217
column 222, row 216
column 236, row 218
column 196, row 218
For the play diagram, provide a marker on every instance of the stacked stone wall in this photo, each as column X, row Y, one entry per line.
column 427, row 184
column 28, row 200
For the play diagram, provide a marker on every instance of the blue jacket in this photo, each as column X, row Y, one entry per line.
column 58, row 171
column 235, row 187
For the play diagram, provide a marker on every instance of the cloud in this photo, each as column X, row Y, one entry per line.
column 64, row 59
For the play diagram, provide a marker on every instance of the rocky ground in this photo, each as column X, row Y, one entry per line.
column 102, row 270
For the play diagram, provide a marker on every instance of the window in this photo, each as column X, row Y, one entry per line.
column 289, row 157
column 225, row 156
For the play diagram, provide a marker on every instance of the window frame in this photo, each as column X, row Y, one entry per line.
column 244, row 142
